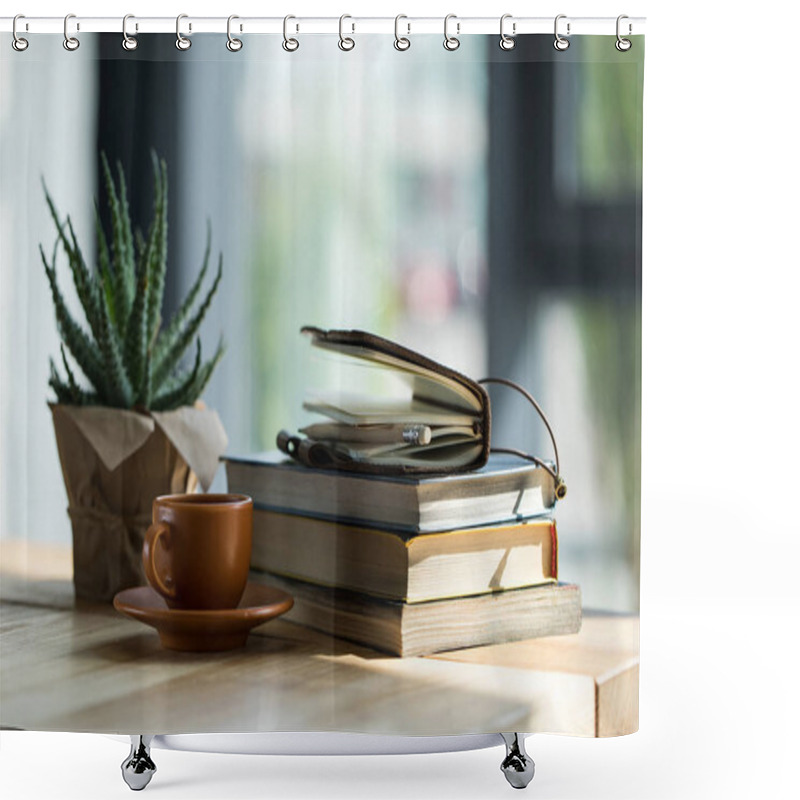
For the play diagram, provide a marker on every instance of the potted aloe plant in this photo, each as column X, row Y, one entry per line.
column 129, row 425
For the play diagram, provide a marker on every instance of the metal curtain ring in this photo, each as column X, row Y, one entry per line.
column 401, row 42
column 18, row 43
column 560, row 42
column 451, row 42
column 128, row 42
column 289, row 45
column 71, row 43
column 507, row 42
column 623, row 45
column 181, row 42
column 345, row 42
column 233, row 44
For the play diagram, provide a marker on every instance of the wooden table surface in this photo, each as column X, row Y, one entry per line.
column 73, row 666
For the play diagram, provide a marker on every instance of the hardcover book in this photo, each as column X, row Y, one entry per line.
column 413, row 629
column 506, row 489
column 401, row 566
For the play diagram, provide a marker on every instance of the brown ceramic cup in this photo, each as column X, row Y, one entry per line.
column 197, row 551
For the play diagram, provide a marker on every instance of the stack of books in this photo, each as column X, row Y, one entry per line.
column 411, row 564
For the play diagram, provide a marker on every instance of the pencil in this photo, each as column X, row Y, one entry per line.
column 369, row 434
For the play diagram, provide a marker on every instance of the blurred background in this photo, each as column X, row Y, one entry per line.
column 483, row 207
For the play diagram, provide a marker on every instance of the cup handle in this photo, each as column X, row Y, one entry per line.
column 154, row 533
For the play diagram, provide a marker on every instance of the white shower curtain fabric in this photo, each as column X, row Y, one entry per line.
column 480, row 207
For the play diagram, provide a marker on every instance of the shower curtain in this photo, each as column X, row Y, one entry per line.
column 171, row 217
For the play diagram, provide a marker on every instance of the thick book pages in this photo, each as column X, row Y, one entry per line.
column 413, row 629
column 405, row 567
column 506, row 489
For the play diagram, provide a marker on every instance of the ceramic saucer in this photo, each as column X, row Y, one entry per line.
column 203, row 631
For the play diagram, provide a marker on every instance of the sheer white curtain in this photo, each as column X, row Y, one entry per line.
column 47, row 130
column 347, row 192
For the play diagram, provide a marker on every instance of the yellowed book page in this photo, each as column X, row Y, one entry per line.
column 353, row 409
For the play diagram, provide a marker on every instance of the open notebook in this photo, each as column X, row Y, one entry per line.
column 441, row 424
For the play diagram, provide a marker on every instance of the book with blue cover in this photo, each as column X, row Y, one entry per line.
column 506, row 489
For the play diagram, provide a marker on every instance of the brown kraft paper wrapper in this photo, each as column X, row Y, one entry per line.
column 115, row 463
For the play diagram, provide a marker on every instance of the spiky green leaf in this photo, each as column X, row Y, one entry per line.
column 172, row 356
column 144, row 395
column 70, row 377
column 63, row 393
column 125, row 218
column 167, row 337
column 68, row 392
column 85, row 285
column 117, row 383
column 141, row 243
column 123, row 268
column 81, row 275
column 54, row 214
column 106, row 280
column 76, row 339
column 135, row 346
column 166, row 401
column 158, row 269
column 204, row 374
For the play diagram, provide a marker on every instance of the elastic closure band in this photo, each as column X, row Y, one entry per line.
column 561, row 487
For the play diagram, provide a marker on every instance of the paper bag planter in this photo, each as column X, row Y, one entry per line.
column 115, row 462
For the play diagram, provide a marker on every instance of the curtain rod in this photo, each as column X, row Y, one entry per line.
column 408, row 26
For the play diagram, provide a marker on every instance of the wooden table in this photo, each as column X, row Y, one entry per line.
column 71, row 666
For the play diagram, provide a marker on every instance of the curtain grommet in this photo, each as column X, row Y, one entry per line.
column 560, row 43
column 451, row 43
column 17, row 42
column 233, row 44
column 622, row 44
column 289, row 44
column 401, row 43
column 129, row 43
column 181, row 41
column 71, row 43
column 507, row 42
column 346, row 43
